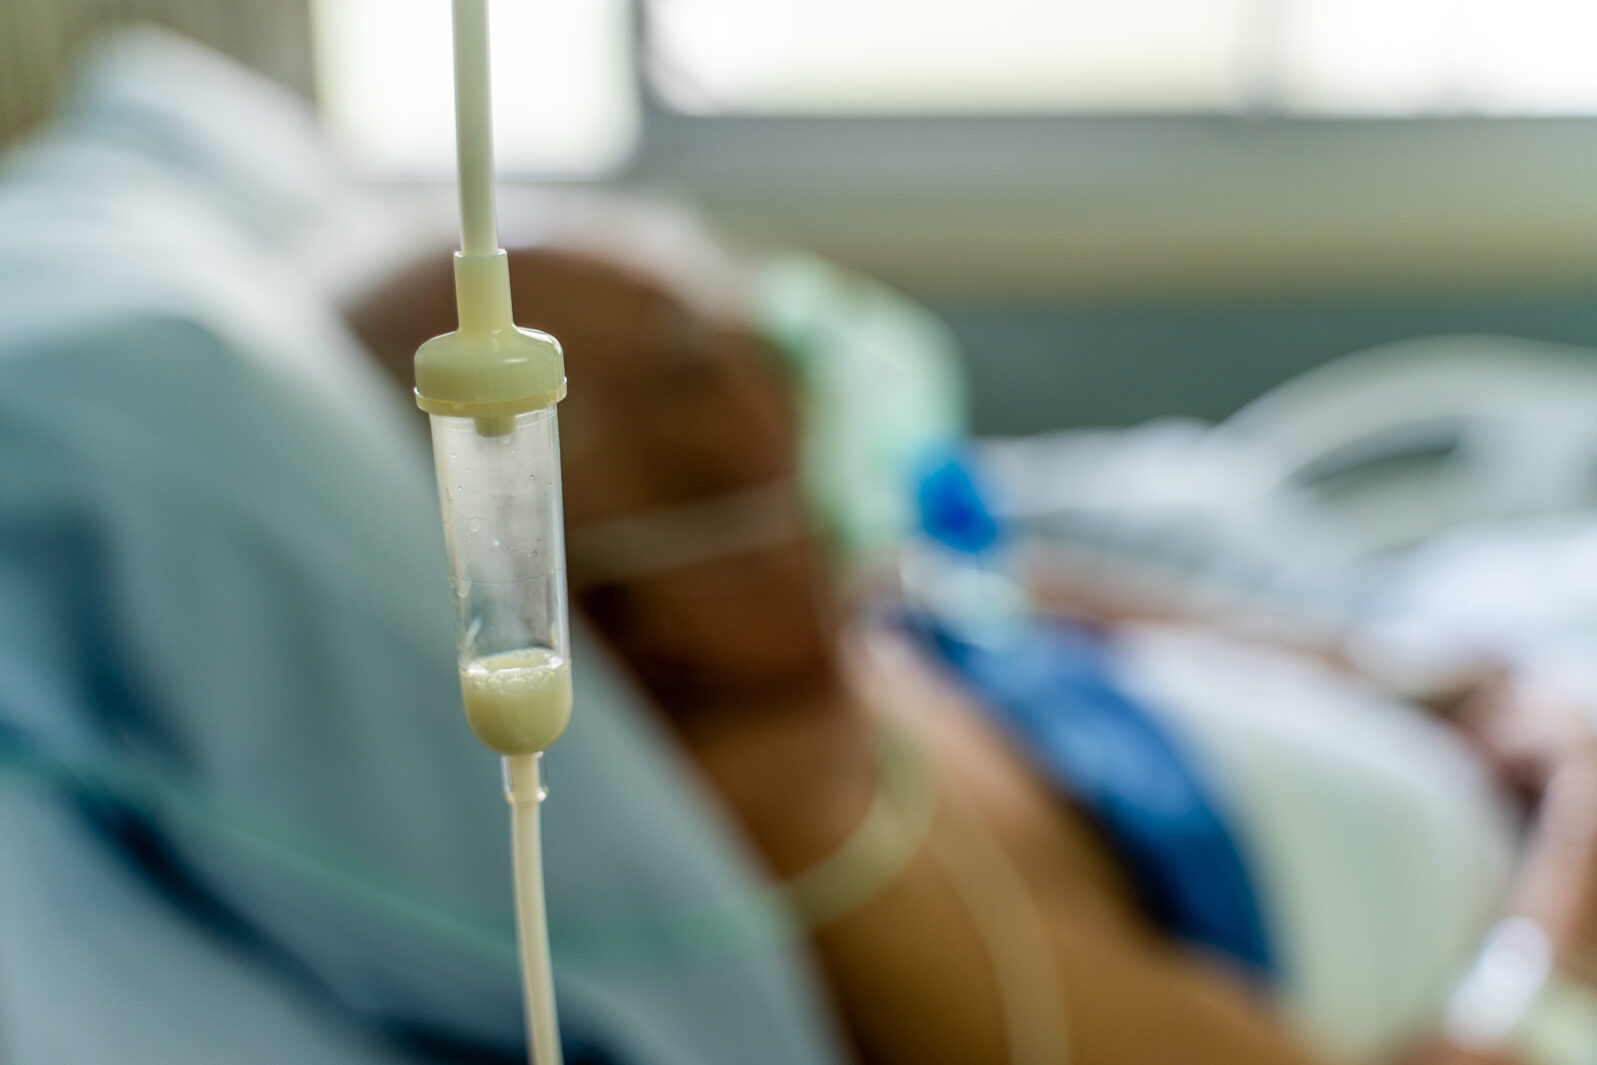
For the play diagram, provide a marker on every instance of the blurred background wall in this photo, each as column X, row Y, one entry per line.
column 38, row 39
column 1104, row 269
column 1109, row 250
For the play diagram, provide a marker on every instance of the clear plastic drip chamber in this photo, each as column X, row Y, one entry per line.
column 499, row 491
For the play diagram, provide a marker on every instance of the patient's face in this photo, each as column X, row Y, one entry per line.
column 667, row 409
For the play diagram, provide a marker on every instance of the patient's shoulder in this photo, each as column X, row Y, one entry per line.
column 1053, row 840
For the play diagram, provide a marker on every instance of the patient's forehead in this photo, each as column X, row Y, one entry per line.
column 666, row 404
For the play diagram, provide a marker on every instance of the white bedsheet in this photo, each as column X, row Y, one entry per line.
column 1380, row 849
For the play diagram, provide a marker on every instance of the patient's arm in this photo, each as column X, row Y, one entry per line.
column 1543, row 745
column 911, row 969
column 1138, row 594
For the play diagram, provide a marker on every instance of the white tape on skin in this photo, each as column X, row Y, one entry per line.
column 1515, row 1000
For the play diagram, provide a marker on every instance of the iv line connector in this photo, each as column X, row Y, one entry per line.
column 524, row 779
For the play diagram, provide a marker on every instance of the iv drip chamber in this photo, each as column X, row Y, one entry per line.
column 500, row 496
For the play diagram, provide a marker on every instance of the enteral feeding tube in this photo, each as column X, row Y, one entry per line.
column 491, row 390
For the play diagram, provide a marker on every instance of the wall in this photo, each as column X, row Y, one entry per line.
column 1105, row 271
column 1038, row 366
column 39, row 37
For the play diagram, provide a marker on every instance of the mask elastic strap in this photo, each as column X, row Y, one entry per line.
column 617, row 550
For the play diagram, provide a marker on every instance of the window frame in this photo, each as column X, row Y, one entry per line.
column 1095, row 207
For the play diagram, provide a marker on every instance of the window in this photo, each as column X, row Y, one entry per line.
column 1490, row 57
column 567, row 77
column 1317, row 57
column 897, row 56
column 565, row 100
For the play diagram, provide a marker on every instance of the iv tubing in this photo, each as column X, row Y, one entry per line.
column 525, row 791
column 474, row 130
